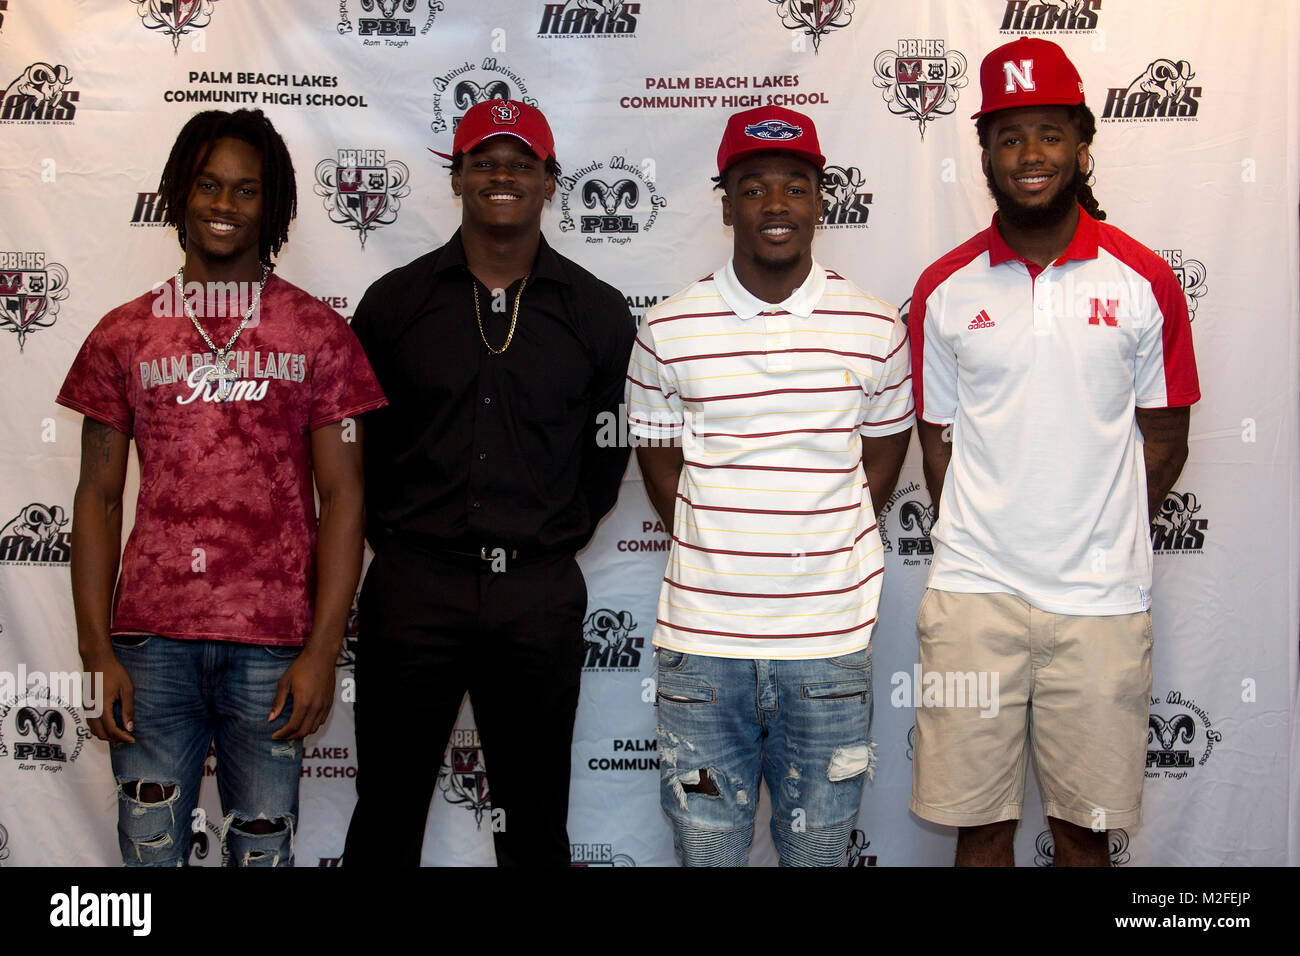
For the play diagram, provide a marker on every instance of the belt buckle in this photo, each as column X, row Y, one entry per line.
column 484, row 556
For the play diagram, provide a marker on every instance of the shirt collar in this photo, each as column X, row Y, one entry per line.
column 746, row 305
column 546, row 266
column 1083, row 245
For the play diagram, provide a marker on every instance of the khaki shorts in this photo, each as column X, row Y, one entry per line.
column 1078, row 688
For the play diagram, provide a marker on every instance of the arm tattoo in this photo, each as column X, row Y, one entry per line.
column 100, row 438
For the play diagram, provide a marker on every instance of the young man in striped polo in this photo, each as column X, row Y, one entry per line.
column 1053, row 377
column 775, row 398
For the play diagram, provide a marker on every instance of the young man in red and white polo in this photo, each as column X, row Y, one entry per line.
column 776, row 395
column 1053, row 373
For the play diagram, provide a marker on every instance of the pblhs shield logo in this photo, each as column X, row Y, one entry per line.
column 36, row 536
column 1117, row 840
column 1176, row 528
column 462, row 778
column 174, row 18
column 920, row 79
column 1190, row 274
column 1171, row 736
column 855, row 854
column 504, row 114
column 844, row 201
column 30, row 297
column 1162, row 92
column 597, row 854
column 609, row 641
column 361, row 190
column 40, row 95
column 773, row 129
column 814, row 18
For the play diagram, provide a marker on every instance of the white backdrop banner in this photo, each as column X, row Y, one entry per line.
column 1196, row 157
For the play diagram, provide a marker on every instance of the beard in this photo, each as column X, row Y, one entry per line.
column 1012, row 211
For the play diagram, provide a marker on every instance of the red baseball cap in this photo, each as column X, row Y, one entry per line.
column 502, row 118
column 1028, row 72
column 767, row 129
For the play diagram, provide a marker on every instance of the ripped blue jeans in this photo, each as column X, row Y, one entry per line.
column 190, row 695
column 803, row 726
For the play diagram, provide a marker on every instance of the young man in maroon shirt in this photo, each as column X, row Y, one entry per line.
column 231, row 603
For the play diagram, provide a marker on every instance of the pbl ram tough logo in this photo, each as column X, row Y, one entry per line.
column 612, row 201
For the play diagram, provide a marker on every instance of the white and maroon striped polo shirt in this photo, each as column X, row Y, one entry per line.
column 1039, row 372
column 775, row 550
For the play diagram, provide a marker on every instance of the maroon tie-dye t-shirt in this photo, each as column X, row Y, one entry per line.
column 224, row 541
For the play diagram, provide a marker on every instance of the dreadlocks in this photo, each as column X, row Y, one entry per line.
column 1086, row 123
column 191, row 150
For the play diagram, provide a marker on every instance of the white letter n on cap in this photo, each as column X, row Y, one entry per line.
column 1022, row 77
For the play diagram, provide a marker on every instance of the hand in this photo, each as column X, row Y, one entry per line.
column 310, row 681
column 117, row 687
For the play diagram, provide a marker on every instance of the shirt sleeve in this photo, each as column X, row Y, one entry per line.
column 1165, row 365
column 889, row 407
column 97, row 384
column 342, row 382
column 934, row 364
column 654, row 407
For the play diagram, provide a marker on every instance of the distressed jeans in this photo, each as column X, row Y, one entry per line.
column 190, row 695
column 803, row 726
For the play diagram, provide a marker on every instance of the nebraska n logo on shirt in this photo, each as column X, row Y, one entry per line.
column 1103, row 310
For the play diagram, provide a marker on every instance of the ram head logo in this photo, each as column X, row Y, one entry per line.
column 606, row 8
column 840, row 185
column 39, row 720
column 916, row 516
column 37, row 522
column 1176, row 512
column 388, row 7
column 610, row 197
column 42, row 82
column 468, row 92
column 1166, row 79
column 608, row 629
column 1179, row 727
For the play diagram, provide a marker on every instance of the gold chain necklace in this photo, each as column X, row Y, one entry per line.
column 514, row 316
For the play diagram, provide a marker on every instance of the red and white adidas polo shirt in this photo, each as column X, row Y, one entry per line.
column 1039, row 371
column 775, row 549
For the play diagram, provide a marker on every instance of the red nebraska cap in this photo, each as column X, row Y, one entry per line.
column 765, row 129
column 1028, row 72
column 502, row 117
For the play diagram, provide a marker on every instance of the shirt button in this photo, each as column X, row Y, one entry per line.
column 487, row 401
column 475, row 506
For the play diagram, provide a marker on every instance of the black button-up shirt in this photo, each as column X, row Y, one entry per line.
column 476, row 449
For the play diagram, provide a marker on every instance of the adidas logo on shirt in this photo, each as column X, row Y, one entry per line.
column 981, row 321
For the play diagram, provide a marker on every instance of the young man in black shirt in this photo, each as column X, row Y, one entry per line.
column 501, row 360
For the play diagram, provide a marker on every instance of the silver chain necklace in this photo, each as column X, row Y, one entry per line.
column 222, row 374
